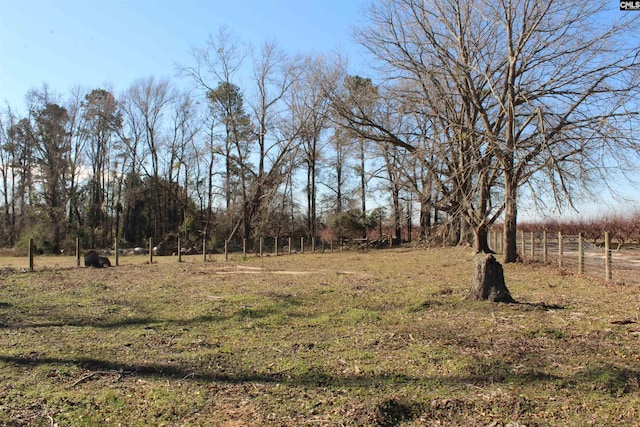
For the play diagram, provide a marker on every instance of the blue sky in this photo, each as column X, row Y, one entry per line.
column 94, row 42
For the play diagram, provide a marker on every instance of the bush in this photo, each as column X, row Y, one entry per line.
column 347, row 224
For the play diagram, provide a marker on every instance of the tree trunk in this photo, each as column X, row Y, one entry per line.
column 363, row 187
column 481, row 240
column 396, row 212
column 487, row 283
column 464, row 232
column 510, row 222
column 425, row 220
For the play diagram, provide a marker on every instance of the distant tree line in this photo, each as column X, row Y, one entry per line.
column 623, row 226
column 473, row 106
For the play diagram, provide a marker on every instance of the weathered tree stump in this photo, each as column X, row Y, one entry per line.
column 487, row 282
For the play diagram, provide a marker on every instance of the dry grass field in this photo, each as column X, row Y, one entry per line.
column 382, row 338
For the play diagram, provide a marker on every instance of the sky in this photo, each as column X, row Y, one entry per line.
column 92, row 43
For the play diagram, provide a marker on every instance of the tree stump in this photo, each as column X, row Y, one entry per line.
column 487, row 282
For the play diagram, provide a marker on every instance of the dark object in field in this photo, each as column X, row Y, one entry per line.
column 487, row 282
column 93, row 259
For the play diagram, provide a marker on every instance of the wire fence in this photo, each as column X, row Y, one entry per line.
column 600, row 258
column 177, row 250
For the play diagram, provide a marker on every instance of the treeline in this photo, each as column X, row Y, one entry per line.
column 474, row 106
column 216, row 162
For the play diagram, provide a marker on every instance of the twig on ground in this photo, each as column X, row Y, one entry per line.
column 90, row 375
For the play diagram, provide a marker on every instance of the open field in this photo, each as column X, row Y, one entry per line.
column 382, row 338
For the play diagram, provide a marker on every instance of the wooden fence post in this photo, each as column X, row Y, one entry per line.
column 150, row 250
column 179, row 249
column 261, row 241
column 580, row 255
column 31, row 254
column 226, row 250
column 545, row 249
column 117, row 247
column 276, row 245
column 559, row 249
column 313, row 244
column 204, row 249
column 301, row 245
column 607, row 256
column 244, row 247
column 290, row 249
column 522, row 247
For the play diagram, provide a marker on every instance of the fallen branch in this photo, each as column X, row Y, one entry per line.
column 90, row 375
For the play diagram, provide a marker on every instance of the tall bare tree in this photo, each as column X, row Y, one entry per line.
column 184, row 129
column 309, row 108
column 214, row 72
column 527, row 88
column 150, row 101
column 273, row 76
column 101, row 121
column 228, row 108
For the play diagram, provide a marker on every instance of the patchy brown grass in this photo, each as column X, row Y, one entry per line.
column 383, row 338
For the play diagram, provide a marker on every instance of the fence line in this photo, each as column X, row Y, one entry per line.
column 576, row 254
column 264, row 246
column 568, row 252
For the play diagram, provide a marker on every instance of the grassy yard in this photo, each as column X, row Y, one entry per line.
column 382, row 338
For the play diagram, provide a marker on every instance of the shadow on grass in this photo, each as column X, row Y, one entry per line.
column 43, row 320
column 133, row 321
column 143, row 370
column 540, row 306
column 608, row 379
column 82, row 323
column 389, row 411
column 56, row 317
column 613, row 380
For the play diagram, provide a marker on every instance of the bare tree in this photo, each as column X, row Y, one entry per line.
column 183, row 131
column 228, row 108
column 246, row 123
column 78, row 139
column 152, row 101
column 309, row 108
column 273, row 74
column 101, row 120
column 132, row 156
column 340, row 145
column 524, row 87
column 214, row 72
